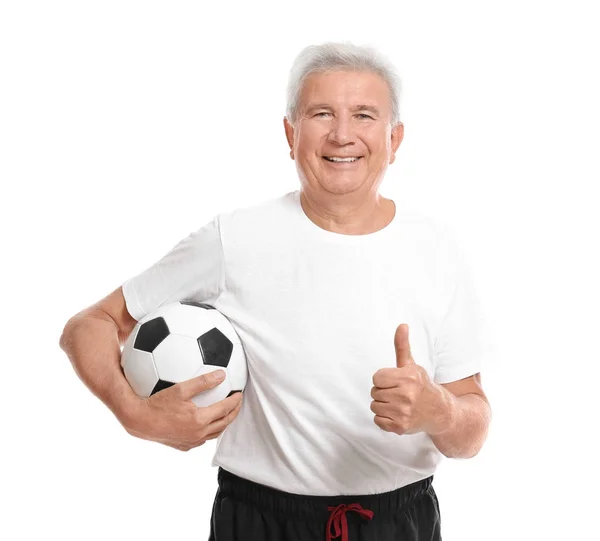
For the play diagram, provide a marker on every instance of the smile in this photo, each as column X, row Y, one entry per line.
column 335, row 159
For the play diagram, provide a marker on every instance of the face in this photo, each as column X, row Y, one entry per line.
column 343, row 114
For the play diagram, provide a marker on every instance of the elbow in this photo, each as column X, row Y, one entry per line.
column 462, row 453
column 467, row 449
column 473, row 451
column 63, row 340
column 65, row 337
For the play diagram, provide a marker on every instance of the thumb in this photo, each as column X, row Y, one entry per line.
column 402, row 347
column 203, row 382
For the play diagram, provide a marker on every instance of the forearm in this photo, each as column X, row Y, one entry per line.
column 92, row 346
column 467, row 421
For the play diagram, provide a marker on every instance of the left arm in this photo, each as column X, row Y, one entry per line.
column 456, row 415
column 463, row 417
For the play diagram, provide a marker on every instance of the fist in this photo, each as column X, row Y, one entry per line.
column 404, row 396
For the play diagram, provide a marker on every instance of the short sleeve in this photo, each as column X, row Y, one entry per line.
column 192, row 270
column 463, row 344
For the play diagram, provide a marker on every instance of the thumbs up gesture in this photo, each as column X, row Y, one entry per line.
column 405, row 400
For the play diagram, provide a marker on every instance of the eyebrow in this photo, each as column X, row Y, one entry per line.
column 370, row 108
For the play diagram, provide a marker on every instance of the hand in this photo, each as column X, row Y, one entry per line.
column 405, row 400
column 170, row 417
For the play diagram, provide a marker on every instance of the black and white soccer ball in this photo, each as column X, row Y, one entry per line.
column 179, row 341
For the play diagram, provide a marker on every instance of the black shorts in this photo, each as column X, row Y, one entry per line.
column 248, row 511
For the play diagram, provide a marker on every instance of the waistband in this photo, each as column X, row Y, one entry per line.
column 317, row 507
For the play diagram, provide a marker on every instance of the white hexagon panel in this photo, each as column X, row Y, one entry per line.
column 179, row 341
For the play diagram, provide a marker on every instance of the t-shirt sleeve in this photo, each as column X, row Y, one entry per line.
column 192, row 270
column 464, row 344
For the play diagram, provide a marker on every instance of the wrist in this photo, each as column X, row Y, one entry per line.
column 444, row 411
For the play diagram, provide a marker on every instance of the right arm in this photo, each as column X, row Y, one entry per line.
column 92, row 339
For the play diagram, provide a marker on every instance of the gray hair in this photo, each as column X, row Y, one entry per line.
column 343, row 56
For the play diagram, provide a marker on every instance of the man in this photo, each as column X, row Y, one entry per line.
column 358, row 318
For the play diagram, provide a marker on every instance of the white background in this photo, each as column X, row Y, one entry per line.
column 127, row 125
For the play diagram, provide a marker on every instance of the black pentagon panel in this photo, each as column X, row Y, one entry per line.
column 215, row 347
column 199, row 304
column 151, row 334
column 161, row 384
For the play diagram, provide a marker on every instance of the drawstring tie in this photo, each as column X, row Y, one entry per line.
column 338, row 516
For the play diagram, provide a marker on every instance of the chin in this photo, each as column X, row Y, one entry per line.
column 342, row 186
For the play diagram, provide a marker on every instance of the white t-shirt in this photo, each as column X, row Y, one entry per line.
column 316, row 312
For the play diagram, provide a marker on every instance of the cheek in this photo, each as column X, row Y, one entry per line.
column 312, row 137
column 306, row 143
column 309, row 152
column 377, row 140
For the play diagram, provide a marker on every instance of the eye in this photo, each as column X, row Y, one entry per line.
column 365, row 116
column 322, row 113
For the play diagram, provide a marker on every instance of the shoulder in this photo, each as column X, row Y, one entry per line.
column 258, row 214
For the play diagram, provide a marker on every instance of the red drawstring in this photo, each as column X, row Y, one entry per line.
column 338, row 516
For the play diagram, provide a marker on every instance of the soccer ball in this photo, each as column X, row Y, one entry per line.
column 179, row 341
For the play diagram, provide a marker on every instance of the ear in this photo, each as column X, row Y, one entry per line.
column 397, row 136
column 289, row 134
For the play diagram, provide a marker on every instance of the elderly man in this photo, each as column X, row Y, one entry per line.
column 359, row 320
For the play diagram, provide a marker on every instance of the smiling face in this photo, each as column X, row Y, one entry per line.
column 343, row 115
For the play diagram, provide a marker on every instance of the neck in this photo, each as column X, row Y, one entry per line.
column 346, row 215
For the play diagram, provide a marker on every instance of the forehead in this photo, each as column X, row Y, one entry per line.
column 345, row 88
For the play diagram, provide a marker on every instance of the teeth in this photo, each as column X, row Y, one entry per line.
column 334, row 159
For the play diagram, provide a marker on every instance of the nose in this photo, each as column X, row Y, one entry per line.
column 341, row 131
